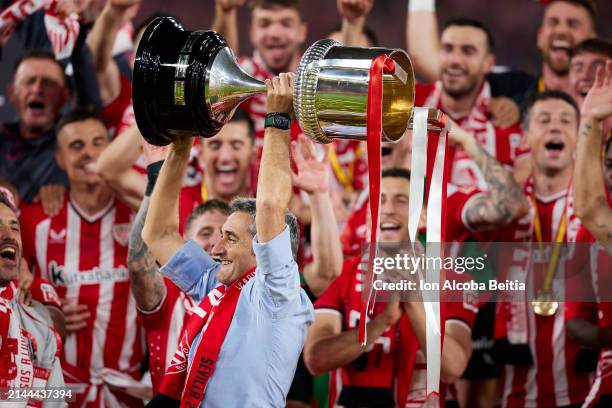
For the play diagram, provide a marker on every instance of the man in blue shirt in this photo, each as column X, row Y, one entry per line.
column 259, row 353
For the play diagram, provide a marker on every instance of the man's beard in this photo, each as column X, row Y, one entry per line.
column 466, row 89
column 557, row 68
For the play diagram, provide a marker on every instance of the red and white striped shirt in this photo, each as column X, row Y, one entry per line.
column 163, row 327
column 600, row 313
column 551, row 380
column 84, row 258
column 502, row 144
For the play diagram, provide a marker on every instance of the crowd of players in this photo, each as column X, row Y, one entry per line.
column 84, row 304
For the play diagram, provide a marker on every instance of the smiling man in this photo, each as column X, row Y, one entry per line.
column 28, row 353
column 253, row 315
column 38, row 92
column 539, row 362
column 82, row 252
column 587, row 57
column 228, row 162
column 464, row 93
column 565, row 24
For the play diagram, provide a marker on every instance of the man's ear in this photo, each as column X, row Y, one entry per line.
column 540, row 39
column 60, row 160
column 302, row 32
column 489, row 62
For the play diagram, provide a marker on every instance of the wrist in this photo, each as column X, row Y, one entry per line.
column 220, row 11
column 421, row 5
column 278, row 120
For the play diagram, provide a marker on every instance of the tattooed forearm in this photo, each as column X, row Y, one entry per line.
column 589, row 190
column 504, row 201
column 147, row 282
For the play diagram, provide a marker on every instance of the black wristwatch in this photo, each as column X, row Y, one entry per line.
column 278, row 120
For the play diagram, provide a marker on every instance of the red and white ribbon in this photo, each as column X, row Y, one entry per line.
column 428, row 163
column 381, row 65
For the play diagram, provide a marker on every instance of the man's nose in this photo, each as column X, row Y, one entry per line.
column 218, row 248
column 226, row 153
column 6, row 232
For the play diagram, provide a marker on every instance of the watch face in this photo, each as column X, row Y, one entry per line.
column 281, row 122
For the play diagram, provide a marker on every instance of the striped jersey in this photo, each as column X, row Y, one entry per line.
column 84, row 258
column 163, row 327
column 551, row 379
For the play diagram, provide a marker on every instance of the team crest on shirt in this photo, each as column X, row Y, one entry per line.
column 121, row 233
column 57, row 237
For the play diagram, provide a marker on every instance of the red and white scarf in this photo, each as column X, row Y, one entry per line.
column 62, row 32
column 212, row 318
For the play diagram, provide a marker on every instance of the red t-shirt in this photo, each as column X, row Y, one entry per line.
column 373, row 375
column 163, row 327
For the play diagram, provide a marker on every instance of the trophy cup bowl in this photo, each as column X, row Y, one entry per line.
column 186, row 83
column 189, row 83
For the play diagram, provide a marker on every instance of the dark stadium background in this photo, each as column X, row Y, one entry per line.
column 514, row 24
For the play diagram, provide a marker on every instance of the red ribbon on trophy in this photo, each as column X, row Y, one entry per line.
column 429, row 179
column 380, row 65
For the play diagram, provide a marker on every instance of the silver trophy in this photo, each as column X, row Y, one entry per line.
column 190, row 83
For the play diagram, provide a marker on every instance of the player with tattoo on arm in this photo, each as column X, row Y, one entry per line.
column 162, row 306
column 591, row 200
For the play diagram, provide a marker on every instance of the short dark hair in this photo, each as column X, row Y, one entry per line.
column 77, row 115
column 594, row 45
column 588, row 5
column 248, row 206
column 470, row 22
column 548, row 95
column 241, row 116
column 207, row 206
column 38, row 54
column 399, row 172
column 268, row 4
column 8, row 202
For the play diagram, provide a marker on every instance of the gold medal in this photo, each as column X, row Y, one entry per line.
column 544, row 304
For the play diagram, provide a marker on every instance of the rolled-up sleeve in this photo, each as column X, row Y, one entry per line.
column 277, row 272
column 192, row 270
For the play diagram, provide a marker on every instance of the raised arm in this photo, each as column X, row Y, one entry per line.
column 147, row 282
column 101, row 41
column 504, row 201
column 422, row 38
column 313, row 177
column 225, row 21
column 274, row 182
column 590, row 202
column 354, row 13
column 115, row 166
column 161, row 228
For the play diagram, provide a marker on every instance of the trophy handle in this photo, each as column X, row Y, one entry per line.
column 436, row 120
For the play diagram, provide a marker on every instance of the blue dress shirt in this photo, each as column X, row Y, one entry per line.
column 264, row 341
